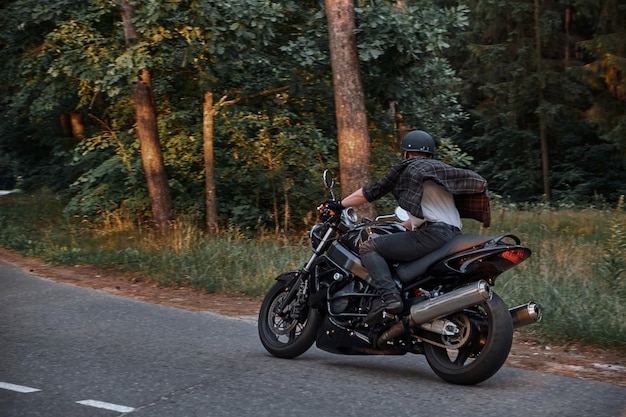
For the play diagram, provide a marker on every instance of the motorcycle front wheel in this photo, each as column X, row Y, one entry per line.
column 487, row 331
column 290, row 332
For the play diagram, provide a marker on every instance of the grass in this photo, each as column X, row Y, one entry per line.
column 34, row 226
column 571, row 273
column 576, row 272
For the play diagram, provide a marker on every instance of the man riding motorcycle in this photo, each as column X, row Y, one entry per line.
column 436, row 196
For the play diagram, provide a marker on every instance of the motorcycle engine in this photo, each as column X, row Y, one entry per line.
column 340, row 299
column 347, row 299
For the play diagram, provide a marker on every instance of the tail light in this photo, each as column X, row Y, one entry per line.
column 515, row 256
column 487, row 262
column 507, row 259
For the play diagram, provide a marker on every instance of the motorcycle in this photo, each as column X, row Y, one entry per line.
column 451, row 313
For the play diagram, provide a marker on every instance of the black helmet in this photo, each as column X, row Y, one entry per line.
column 418, row 141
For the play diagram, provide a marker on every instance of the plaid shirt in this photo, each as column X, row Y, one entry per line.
column 405, row 181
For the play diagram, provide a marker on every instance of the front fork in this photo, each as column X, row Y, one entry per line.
column 299, row 286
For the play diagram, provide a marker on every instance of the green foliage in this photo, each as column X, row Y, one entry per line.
column 604, row 70
column 451, row 154
column 268, row 153
column 267, row 65
column 402, row 52
column 509, row 84
column 92, row 192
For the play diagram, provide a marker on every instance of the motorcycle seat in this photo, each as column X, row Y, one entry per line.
column 408, row 271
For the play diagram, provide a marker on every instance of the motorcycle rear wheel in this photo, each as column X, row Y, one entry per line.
column 479, row 358
column 290, row 334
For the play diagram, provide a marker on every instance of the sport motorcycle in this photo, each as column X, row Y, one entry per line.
column 451, row 313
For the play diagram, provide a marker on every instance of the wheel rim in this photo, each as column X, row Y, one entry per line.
column 285, row 327
column 462, row 349
column 487, row 347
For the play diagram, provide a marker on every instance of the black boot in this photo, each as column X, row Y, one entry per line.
column 380, row 278
column 375, row 313
column 393, row 302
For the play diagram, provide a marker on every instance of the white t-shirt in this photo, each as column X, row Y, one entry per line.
column 437, row 206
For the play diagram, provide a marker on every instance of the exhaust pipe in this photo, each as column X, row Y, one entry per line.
column 525, row 314
column 433, row 308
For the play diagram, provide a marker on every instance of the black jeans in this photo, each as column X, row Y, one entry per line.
column 401, row 247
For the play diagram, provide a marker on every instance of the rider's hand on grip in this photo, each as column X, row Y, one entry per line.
column 332, row 205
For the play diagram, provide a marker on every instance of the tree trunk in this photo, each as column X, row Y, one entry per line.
column 545, row 159
column 128, row 13
column 148, row 133
column 77, row 125
column 151, row 155
column 353, row 138
column 66, row 128
column 209, row 110
column 208, row 116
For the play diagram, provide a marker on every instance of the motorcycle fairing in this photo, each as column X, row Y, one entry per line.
column 346, row 260
column 335, row 339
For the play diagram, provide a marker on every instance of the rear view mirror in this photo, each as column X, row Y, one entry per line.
column 401, row 214
column 329, row 182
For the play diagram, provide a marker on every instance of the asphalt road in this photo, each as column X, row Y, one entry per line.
column 73, row 352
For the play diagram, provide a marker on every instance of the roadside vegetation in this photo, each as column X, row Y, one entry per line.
column 576, row 273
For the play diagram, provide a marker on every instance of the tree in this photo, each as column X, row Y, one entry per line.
column 352, row 135
column 407, row 75
column 240, row 35
column 543, row 140
column 148, row 133
column 605, row 70
column 525, row 92
column 208, row 130
column 268, row 149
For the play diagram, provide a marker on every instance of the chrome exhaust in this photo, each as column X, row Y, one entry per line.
column 434, row 308
column 461, row 298
column 525, row 314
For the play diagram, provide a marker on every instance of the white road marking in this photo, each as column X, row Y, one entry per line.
column 18, row 388
column 106, row 406
column 89, row 403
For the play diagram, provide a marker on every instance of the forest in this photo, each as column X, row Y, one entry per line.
column 531, row 94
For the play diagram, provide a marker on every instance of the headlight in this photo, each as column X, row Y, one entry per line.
column 349, row 216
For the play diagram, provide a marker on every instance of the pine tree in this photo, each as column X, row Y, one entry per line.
column 528, row 102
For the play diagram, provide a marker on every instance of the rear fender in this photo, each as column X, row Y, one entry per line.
column 466, row 256
column 491, row 260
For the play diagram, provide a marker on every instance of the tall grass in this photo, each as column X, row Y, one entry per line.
column 230, row 262
column 576, row 272
column 567, row 272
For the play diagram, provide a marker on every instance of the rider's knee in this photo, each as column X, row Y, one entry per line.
column 366, row 247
